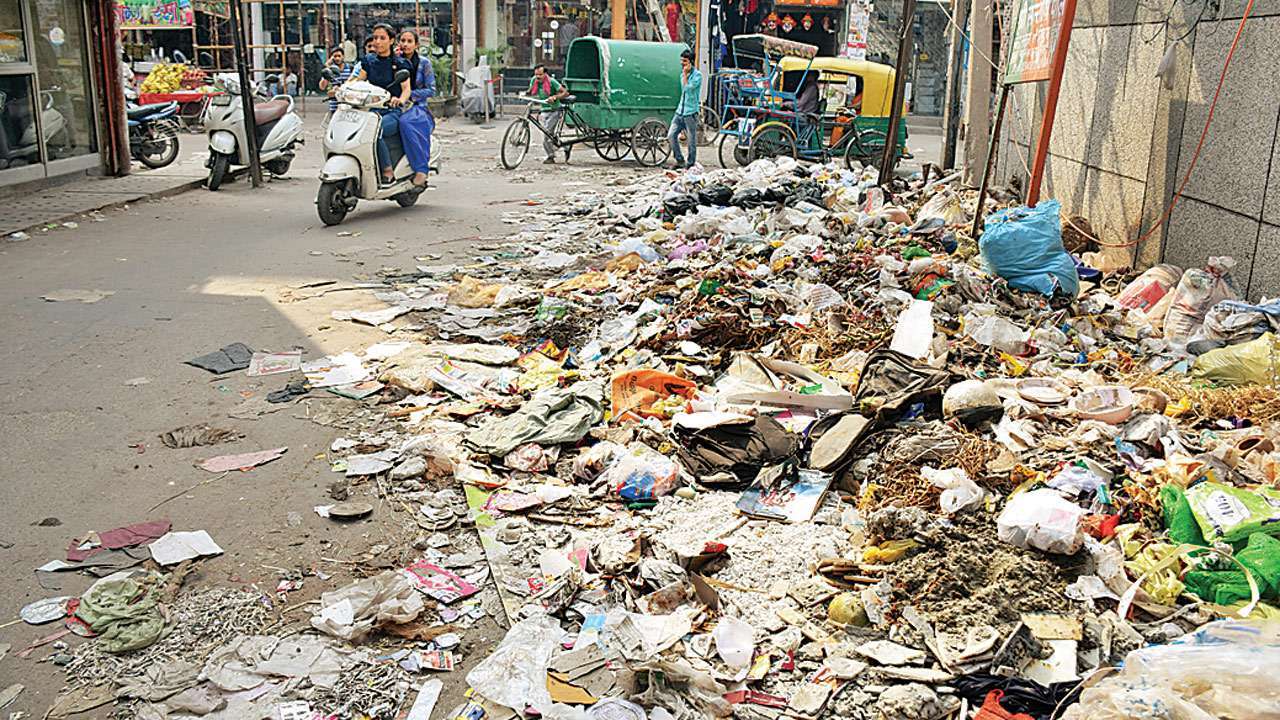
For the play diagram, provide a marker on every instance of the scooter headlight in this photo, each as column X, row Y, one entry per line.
column 351, row 96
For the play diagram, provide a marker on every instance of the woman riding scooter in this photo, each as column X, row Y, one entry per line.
column 417, row 123
column 379, row 67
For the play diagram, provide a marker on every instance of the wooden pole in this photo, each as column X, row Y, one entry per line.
column 978, row 214
column 618, row 20
column 246, row 91
column 905, row 43
column 1051, row 102
column 951, row 110
column 977, row 108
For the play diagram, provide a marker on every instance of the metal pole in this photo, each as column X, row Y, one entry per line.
column 905, row 42
column 991, row 151
column 618, row 19
column 955, row 61
column 1051, row 102
column 246, row 92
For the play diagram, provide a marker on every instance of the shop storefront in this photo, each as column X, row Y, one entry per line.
column 48, row 123
column 533, row 32
column 822, row 23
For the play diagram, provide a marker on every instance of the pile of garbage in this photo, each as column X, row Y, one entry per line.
column 771, row 441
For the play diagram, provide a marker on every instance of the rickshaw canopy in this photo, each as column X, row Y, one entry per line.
column 877, row 79
column 760, row 46
column 619, row 82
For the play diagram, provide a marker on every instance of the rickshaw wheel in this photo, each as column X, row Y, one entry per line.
column 515, row 143
column 708, row 125
column 612, row 146
column 771, row 140
column 866, row 148
column 729, row 148
column 649, row 142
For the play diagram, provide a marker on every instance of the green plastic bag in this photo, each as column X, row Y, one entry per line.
column 1261, row 556
column 1251, row 363
column 1178, row 518
column 1226, row 513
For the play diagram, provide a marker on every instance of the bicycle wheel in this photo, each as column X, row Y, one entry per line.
column 771, row 140
column 865, row 147
column 515, row 143
column 613, row 145
column 649, row 142
column 708, row 125
column 731, row 153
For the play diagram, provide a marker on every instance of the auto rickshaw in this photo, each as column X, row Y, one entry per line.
column 849, row 89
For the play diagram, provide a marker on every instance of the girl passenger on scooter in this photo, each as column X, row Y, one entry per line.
column 417, row 123
column 379, row 67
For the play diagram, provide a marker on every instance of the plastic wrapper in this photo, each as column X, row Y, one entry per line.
column 958, row 491
column 1024, row 246
column 352, row 612
column 1197, row 291
column 515, row 674
column 596, row 459
column 945, row 205
column 1041, row 520
column 1231, row 514
column 1223, row 670
column 1256, row 362
column 642, row 473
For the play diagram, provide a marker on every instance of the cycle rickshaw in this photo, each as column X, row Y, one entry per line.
column 622, row 96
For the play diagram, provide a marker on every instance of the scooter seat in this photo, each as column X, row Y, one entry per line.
column 269, row 111
column 143, row 111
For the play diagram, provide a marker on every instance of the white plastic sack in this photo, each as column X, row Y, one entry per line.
column 1197, row 291
column 1041, row 520
column 734, row 641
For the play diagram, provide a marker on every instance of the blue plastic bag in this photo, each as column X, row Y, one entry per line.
column 1024, row 246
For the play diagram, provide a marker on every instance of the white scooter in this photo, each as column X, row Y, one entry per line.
column 278, row 130
column 351, row 171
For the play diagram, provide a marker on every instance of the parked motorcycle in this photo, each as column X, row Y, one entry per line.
column 153, row 133
column 351, row 171
column 277, row 129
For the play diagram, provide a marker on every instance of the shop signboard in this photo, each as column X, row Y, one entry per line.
column 1033, row 40
column 809, row 3
column 135, row 14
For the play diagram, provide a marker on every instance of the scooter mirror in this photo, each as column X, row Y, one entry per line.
column 206, row 60
column 271, row 79
column 329, row 74
column 402, row 75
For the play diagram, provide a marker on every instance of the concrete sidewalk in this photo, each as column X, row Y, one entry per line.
column 66, row 201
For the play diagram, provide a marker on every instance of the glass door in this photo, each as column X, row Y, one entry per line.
column 63, row 79
column 21, row 153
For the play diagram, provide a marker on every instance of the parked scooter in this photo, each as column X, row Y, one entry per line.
column 277, row 128
column 351, row 171
column 153, row 133
column 23, row 148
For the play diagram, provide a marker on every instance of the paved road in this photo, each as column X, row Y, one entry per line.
column 190, row 274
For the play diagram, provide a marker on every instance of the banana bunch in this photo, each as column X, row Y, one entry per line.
column 164, row 78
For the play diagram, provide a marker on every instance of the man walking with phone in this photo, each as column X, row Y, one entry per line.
column 687, row 111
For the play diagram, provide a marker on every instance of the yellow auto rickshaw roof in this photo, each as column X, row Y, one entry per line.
column 864, row 68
